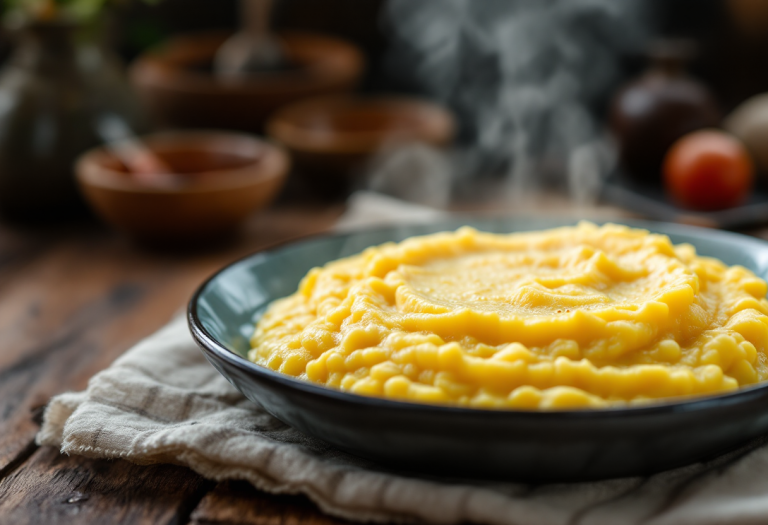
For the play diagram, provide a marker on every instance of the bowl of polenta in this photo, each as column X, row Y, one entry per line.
column 520, row 349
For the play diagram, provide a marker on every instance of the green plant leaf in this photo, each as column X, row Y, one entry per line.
column 80, row 10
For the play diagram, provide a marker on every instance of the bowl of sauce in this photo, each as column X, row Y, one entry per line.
column 211, row 183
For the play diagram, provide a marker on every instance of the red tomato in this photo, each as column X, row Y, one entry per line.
column 708, row 170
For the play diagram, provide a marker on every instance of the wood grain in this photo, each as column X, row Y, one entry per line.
column 103, row 303
column 73, row 300
column 51, row 488
column 238, row 503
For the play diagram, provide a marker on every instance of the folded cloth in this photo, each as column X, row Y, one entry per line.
column 368, row 208
column 162, row 402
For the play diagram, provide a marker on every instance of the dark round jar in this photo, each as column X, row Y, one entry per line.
column 656, row 109
column 56, row 93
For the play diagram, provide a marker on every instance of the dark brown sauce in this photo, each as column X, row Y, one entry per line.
column 186, row 162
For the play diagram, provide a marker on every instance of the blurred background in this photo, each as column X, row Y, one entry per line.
column 179, row 119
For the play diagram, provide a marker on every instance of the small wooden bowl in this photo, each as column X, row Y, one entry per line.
column 338, row 135
column 225, row 177
column 177, row 84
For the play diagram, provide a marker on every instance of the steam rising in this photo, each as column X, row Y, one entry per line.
column 524, row 76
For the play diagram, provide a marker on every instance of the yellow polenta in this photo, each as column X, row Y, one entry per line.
column 582, row 316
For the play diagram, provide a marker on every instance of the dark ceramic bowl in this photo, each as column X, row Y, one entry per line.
column 533, row 446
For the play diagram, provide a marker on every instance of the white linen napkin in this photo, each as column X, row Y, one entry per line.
column 162, row 402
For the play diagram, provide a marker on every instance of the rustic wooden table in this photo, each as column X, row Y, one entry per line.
column 71, row 301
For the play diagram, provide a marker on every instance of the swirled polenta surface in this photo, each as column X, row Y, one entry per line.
column 573, row 317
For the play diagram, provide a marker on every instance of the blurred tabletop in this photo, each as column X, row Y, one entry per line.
column 74, row 298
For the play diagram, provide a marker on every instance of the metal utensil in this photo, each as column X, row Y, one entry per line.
column 254, row 48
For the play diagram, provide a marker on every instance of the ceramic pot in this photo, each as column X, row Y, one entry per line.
column 55, row 94
column 656, row 109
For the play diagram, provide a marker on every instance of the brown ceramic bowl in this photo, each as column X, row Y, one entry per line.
column 177, row 83
column 224, row 177
column 338, row 135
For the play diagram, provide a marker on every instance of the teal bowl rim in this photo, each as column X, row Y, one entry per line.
column 210, row 345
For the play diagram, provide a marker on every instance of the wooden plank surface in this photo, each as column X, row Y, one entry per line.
column 55, row 489
column 238, row 503
column 71, row 301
